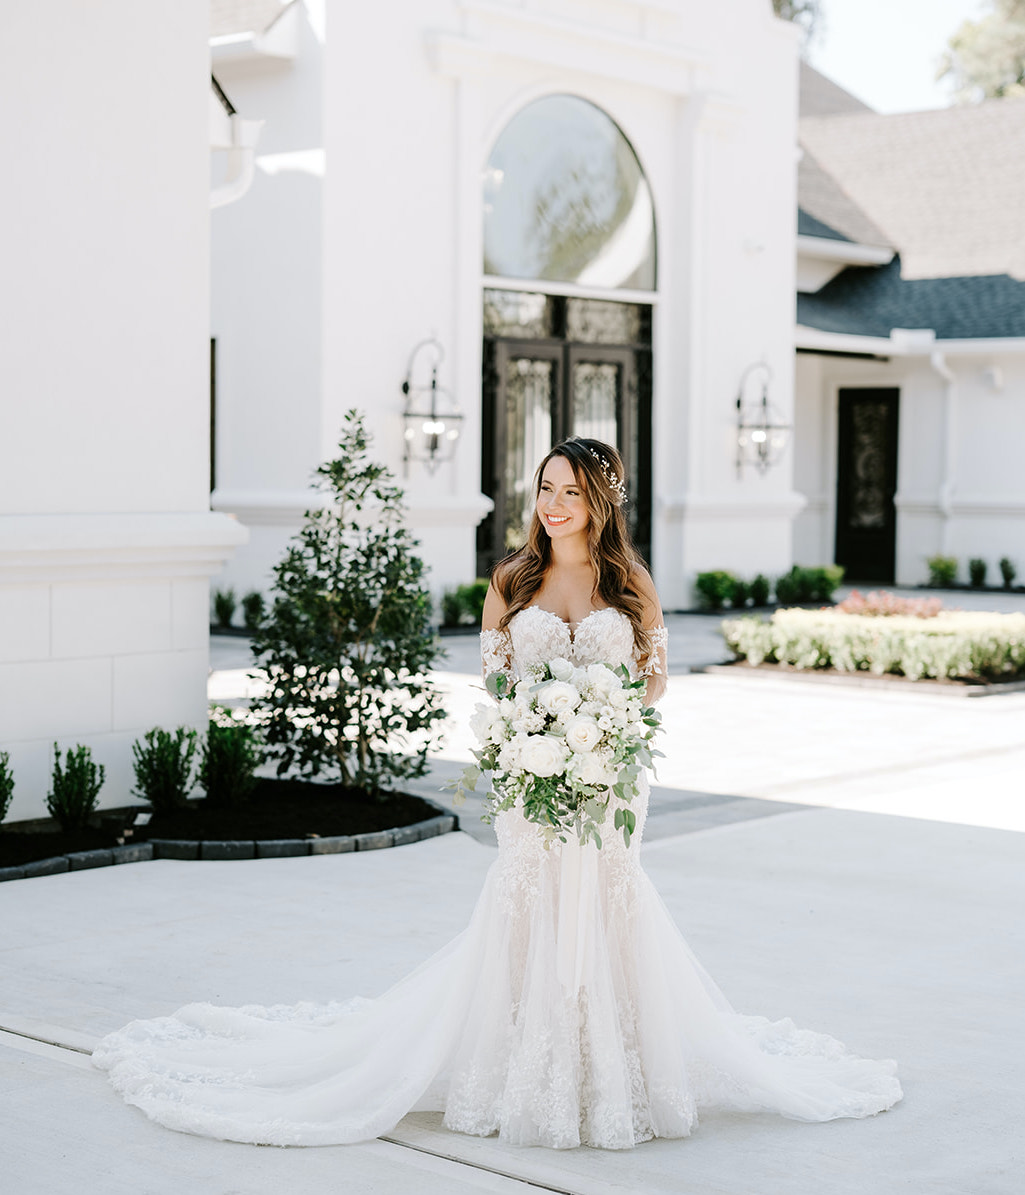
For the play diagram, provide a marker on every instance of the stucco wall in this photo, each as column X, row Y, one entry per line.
column 106, row 542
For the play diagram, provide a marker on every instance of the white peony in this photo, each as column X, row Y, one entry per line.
column 529, row 721
column 557, row 696
column 543, row 755
column 511, row 752
column 603, row 679
column 582, row 734
column 591, row 770
column 561, row 669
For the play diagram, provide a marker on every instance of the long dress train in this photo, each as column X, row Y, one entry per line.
column 570, row 1011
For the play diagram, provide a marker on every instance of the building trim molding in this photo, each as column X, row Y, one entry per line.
column 59, row 547
column 494, row 30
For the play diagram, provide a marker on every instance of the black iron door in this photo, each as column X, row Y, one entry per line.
column 536, row 394
column 866, row 481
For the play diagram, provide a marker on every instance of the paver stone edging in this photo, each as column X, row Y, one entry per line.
column 280, row 848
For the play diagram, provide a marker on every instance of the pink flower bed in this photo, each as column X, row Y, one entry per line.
column 881, row 604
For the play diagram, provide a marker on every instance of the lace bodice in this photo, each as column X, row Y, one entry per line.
column 536, row 636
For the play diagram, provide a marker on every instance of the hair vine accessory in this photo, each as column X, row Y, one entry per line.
column 615, row 484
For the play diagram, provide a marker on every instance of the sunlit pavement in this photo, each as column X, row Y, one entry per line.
column 850, row 857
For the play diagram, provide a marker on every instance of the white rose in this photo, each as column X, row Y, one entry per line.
column 592, row 771
column 543, row 755
column 582, row 734
column 561, row 669
column 605, row 722
column 619, row 699
column 483, row 721
column 557, row 696
column 603, row 679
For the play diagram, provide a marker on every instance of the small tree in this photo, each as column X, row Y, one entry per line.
column 347, row 643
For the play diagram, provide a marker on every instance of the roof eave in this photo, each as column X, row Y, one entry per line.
column 903, row 342
column 848, row 253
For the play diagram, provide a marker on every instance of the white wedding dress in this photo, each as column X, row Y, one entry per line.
column 569, row 1012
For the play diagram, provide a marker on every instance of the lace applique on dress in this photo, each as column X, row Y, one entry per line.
column 655, row 665
column 495, row 652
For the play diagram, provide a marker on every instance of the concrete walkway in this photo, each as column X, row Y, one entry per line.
column 852, row 858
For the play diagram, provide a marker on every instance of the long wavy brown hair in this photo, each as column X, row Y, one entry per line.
column 598, row 469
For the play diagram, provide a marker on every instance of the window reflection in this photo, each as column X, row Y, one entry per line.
column 565, row 200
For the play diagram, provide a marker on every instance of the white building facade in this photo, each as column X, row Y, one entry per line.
column 408, row 186
column 107, row 541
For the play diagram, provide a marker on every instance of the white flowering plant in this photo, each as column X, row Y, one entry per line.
column 565, row 745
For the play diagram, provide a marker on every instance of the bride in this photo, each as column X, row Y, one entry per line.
column 570, row 1011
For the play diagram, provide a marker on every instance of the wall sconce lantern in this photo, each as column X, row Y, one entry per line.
column 431, row 420
column 762, row 435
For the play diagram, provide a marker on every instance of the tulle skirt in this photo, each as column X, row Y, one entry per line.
column 569, row 1012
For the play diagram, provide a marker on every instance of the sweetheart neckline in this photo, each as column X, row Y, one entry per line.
column 568, row 625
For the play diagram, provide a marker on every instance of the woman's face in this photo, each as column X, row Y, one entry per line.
column 561, row 505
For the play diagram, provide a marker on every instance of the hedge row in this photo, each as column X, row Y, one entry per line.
column 964, row 645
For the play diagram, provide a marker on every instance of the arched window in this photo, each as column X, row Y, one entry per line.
column 565, row 200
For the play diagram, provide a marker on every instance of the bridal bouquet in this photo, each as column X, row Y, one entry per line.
column 567, row 745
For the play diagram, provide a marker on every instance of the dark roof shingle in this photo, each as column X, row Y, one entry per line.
column 867, row 301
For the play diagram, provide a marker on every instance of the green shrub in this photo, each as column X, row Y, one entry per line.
column 760, row 590
column 228, row 760
column 224, row 607
column 253, row 610
column 789, row 588
column 347, row 646
column 714, row 588
column 75, row 788
column 802, row 584
column 163, row 765
column 740, row 594
column 1007, row 572
column 6, row 784
column 977, row 572
column 464, row 605
column 942, row 571
column 972, row 645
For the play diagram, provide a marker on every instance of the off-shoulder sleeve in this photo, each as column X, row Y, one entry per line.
column 495, row 652
column 655, row 667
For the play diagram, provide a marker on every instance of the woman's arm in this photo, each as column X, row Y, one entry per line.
column 654, row 667
column 495, row 645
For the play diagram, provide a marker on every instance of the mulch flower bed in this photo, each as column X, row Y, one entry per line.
column 277, row 809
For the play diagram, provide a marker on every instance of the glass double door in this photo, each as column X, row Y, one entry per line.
column 536, row 394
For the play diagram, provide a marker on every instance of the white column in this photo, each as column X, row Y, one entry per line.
column 106, row 539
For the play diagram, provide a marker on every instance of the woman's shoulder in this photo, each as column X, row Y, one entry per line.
column 644, row 587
